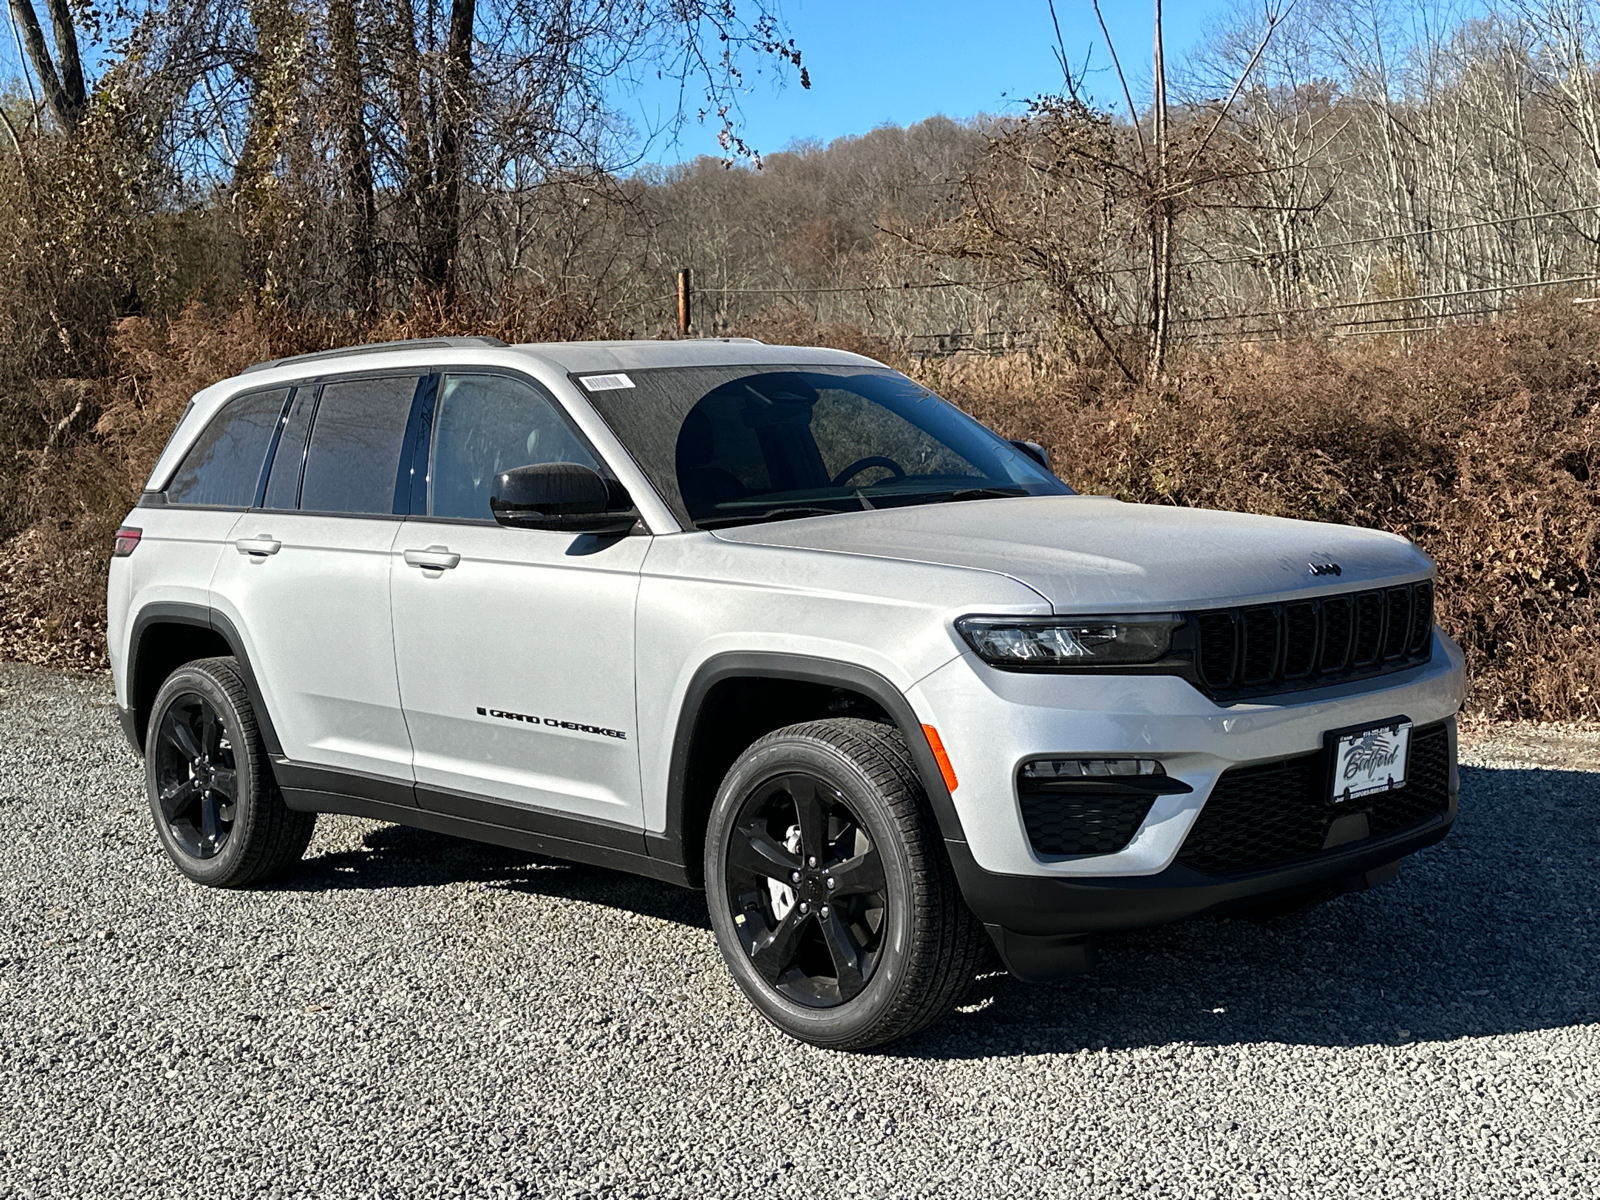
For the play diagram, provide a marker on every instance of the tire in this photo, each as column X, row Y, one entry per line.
column 216, row 805
column 826, row 958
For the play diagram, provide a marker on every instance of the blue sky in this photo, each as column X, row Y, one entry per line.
column 897, row 61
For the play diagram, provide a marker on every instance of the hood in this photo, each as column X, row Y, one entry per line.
column 1090, row 554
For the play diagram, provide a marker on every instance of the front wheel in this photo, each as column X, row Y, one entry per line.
column 830, row 892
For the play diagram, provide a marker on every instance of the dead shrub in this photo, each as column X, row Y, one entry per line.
column 1481, row 444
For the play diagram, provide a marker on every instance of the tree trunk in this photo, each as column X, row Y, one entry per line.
column 407, row 73
column 360, row 202
column 440, row 235
column 63, row 89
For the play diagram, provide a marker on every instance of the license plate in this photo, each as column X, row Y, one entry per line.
column 1370, row 760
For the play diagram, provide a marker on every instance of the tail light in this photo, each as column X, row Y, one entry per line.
column 127, row 542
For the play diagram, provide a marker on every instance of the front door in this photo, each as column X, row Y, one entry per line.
column 515, row 647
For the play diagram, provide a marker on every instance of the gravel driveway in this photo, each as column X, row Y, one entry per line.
column 416, row 1016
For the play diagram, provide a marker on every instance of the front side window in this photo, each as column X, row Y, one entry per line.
column 224, row 465
column 485, row 424
column 357, row 435
column 730, row 445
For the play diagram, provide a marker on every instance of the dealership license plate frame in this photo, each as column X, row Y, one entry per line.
column 1383, row 777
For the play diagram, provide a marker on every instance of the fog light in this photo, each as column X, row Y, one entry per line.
column 1090, row 768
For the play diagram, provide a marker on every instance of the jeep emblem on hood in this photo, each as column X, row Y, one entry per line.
column 1330, row 568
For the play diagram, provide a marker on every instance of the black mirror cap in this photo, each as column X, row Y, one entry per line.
column 567, row 497
column 1034, row 451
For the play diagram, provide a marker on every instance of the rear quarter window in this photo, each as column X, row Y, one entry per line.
column 223, row 467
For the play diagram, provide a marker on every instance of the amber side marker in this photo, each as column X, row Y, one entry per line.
column 940, row 757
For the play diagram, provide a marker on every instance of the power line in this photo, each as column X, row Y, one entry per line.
column 1388, row 237
column 1316, row 308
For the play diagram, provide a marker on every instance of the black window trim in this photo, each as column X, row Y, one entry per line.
column 411, row 481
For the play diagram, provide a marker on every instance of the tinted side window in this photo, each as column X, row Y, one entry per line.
column 224, row 465
column 485, row 424
column 353, row 459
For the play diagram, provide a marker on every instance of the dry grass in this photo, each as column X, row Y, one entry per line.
column 1479, row 444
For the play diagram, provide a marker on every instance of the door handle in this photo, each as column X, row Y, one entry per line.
column 434, row 558
column 259, row 546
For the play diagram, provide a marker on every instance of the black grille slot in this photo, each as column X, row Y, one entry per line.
column 1397, row 622
column 1273, row 648
column 1071, row 820
column 1369, row 629
column 1299, row 640
column 1217, row 643
column 1260, row 657
column 1338, row 621
column 1421, row 619
column 1275, row 813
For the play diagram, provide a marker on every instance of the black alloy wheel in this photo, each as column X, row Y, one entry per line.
column 197, row 779
column 830, row 890
column 216, row 805
column 807, row 891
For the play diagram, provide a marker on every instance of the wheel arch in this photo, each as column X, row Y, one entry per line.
column 786, row 688
column 167, row 635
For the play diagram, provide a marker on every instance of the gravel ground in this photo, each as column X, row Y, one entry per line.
column 416, row 1016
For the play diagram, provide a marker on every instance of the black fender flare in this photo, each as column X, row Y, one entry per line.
column 201, row 617
column 669, row 844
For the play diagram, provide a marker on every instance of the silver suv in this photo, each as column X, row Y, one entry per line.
column 778, row 623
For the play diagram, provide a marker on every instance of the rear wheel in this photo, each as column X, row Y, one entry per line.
column 830, row 892
column 216, row 805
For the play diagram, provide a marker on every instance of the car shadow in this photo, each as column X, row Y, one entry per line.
column 397, row 856
column 1492, row 931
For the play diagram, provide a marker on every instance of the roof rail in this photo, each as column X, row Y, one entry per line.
column 435, row 343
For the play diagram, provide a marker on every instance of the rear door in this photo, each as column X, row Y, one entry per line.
column 306, row 580
column 515, row 646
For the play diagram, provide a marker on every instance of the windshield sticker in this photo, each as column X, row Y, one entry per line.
column 606, row 383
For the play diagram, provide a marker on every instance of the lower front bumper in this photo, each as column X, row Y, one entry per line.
column 1040, row 924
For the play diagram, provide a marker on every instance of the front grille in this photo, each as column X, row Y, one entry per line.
column 1060, row 821
column 1274, row 813
column 1272, row 648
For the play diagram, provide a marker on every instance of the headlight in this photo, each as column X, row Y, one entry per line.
column 1069, row 641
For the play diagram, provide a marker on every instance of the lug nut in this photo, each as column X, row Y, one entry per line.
column 794, row 876
column 804, row 907
column 830, row 882
column 824, row 910
column 813, row 860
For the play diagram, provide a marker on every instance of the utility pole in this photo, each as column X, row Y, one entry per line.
column 1161, row 216
column 685, row 300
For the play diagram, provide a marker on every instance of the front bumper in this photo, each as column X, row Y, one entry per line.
column 1042, row 909
column 992, row 721
column 1041, row 926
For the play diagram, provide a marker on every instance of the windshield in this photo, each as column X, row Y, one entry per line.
column 731, row 445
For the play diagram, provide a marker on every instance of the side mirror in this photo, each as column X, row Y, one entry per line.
column 565, row 497
column 1034, row 451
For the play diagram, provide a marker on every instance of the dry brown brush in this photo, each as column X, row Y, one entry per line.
column 1481, row 443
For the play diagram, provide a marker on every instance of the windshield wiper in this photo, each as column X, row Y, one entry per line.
column 977, row 493
column 771, row 514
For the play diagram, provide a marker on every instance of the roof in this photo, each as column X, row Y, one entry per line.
column 553, row 360
column 580, row 357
